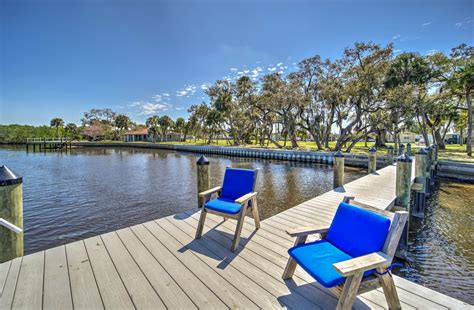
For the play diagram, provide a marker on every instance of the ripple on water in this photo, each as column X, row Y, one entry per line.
column 441, row 248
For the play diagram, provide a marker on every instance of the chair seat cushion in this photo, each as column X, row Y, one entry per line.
column 317, row 258
column 223, row 205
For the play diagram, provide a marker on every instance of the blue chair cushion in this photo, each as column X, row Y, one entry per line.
column 357, row 231
column 237, row 182
column 317, row 258
column 223, row 205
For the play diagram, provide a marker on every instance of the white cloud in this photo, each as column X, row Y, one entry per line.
column 187, row 90
column 426, row 24
column 431, row 52
column 179, row 108
column 148, row 108
column 397, row 51
column 157, row 97
column 279, row 64
column 205, row 86
column 271, row 69
column 396, row 37
column 165, row 94
column 233, row 69
column 458, row 24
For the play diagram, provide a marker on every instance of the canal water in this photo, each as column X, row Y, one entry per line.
column 89, row 191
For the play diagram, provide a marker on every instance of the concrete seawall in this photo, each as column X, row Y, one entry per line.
column 454, row 170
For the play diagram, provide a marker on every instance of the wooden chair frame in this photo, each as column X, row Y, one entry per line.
column 353, row 269
column 240, row 217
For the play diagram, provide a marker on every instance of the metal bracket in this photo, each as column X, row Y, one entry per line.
column 10, row 226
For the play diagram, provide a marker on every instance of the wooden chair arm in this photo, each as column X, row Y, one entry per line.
column 210, row 191
column 363, row 263
column 307, row 230
column 245, row 198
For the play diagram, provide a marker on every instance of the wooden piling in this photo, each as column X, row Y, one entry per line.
column 403, row 182
column 401, row 149
column 389, row 155
column 402, row 201
column 11, row 211
column 409, row 149
column 421, row 177
column 338, row 169
column 203, row 177
column 372, row 165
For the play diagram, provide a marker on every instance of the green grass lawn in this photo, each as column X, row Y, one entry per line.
column 454, row 152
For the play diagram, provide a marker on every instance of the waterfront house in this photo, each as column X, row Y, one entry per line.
column 145, row 135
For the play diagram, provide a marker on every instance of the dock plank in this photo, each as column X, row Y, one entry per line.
column 4, row 269
column 29, row 289
column 140, row 290
column 200, row 294
column 229, row 294
column 170, row 292
column 113, row 291
column 57, row 289
column 6, row 298
column 84, row 290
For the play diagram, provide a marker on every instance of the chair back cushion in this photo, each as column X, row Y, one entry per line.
column 358, row 231
column 238, row 182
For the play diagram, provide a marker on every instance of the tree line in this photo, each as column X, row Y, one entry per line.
column 367, row 92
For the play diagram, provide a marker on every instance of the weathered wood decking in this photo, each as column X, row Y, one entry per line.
column 158, row 264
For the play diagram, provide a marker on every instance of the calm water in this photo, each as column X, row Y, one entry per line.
column 441, row 246
column 93, row 190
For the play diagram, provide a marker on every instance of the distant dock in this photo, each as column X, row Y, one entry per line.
column 43, row 144
column 158, row 264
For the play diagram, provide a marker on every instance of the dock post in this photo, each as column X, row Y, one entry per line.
column 372, row 167
column 421, row 162
column 402, row 201
column 434, row 160
column 338, row 169
column 390, row 155
column 203, row 177
column 429, row 167
column 11, row 214
column 409, row 149
column 401, row 149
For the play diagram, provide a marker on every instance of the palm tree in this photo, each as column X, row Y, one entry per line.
column 121, row 122
column 152, row 123
column 57, row 123
column 165, row 123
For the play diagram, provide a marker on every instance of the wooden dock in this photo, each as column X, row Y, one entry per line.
column 158, row 264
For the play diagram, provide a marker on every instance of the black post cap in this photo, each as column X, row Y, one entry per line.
column 339, row 154
column 421, row 151
column 373, row 149
column 202, row 161
column 405, row 158
column 9, row 177
column 390, row 147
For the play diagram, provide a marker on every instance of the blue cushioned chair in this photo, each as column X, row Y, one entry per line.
column 235, row 199
column 354, row 253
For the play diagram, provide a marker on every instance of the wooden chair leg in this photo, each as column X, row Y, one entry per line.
column 389, row 290
column 255, row 214
column 291, row 264
column 349, row 292
column 238, row 229
column 200, row 227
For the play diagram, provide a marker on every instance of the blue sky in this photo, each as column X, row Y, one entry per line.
column 62, row 58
